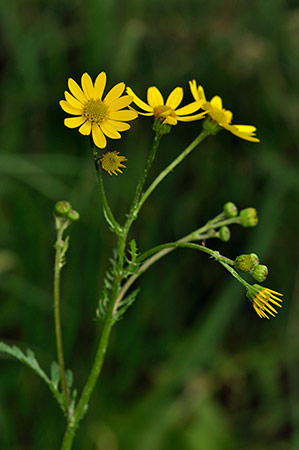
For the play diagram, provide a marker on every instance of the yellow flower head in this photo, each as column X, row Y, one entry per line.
column 262, row 300
column 222, row 116
column 167, row 111
column 111, row 162
column 101, row 117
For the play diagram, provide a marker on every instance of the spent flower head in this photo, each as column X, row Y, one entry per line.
column 94, row 114
column 111, row 162
column 167, row 111
column 262, row 300
column 220, row 116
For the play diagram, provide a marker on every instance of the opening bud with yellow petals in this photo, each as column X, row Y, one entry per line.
column 263, row 299
column 249, row 217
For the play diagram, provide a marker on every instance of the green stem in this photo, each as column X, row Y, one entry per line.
column 58, row 332
column 156, row 253
column 112, row 222
column 170, row 167
column 93, row 376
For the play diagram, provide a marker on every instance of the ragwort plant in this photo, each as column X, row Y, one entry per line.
column 105, row 117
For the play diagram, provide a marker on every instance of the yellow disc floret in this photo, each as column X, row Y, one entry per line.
column 95, row 111
column 111, row 162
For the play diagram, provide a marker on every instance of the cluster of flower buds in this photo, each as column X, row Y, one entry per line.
column 250, row 263
column 64, row 215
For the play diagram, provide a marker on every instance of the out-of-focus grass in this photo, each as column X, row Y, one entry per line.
column 191, row 357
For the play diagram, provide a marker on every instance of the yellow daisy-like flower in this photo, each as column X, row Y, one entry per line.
column 222, row 116
column 262, row 300
column 167, row 111
column 111, row 162
column 101, row 117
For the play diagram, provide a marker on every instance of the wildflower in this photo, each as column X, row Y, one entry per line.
column 222, row 117
column 111, row 162
column 167, row 111
column 262, row 300
column 101, row 117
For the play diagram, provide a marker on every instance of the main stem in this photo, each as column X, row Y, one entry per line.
column 94, row 374
column 58, row 332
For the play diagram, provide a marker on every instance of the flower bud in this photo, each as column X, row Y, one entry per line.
column 230, row 209
column 73, row 215
column 211, row 126
column 62, row 208
column 246, row 263
column 224, row 234
column 260, row 273
column 249, row 217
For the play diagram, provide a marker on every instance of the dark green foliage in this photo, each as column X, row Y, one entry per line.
column 190, row 357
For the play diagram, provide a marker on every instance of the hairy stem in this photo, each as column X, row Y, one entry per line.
column 58, row 332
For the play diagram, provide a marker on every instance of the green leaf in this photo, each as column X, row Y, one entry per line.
column 30, row 360
column 125, row 304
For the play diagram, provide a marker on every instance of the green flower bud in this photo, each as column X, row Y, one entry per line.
column 211, row 126
column 161, row 128
column 255, row 259
column 249, row 217
column 224, row 234
column 246, row 263
column 73, row 215
column 230, row 209
column 260, row 273
column 62, row 208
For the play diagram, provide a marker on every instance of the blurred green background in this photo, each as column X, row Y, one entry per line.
column 191, row 367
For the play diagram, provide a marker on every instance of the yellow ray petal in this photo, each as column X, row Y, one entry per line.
column 87, row 85
column 154, row 97
column 245, row 136
column 109, row 130
column 98, row 136
column 170, row 121
column 100, row 84
column 216, row 102
column 175, row 98
column 123, row 115
column 76, row 91
column 245, row 128
column 138, row 102
column 69, row 108
column 73, row 101
column 114, row 93
column 121, row 102
column 193, row 89
column 192, row 118
column 74, row 122
column 85, row 129
column 119, row 126
column 188, row 109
